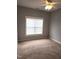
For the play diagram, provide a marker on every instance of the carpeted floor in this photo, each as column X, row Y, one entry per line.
column 39, row 49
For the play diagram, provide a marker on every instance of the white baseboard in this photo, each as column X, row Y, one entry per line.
column 57, row 41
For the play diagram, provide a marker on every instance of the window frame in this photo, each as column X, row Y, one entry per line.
column 41, row 18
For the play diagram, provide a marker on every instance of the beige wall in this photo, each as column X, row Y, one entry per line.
column 21, row 13
column 55, row 25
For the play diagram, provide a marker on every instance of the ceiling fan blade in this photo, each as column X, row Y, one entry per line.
column 55, row 2
column 43, row 5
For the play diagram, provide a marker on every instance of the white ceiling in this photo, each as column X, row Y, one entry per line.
column 36, row 4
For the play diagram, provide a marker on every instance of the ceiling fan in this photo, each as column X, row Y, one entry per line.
column 49, row 4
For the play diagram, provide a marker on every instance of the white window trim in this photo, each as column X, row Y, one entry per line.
column 41, row 18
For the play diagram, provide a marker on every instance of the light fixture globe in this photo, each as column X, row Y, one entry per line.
column 48, row 7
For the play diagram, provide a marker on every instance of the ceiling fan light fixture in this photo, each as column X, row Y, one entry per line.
column 49, row 4
column 48, row 7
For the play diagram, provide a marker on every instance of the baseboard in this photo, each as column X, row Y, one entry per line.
column 57, row 41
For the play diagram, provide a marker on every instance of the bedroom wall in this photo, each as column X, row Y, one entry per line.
column 55, row 26
column 21, row 13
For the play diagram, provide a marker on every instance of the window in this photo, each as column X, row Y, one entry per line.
column 34, row 26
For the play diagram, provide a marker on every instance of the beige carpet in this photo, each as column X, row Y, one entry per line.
column 39, row 49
